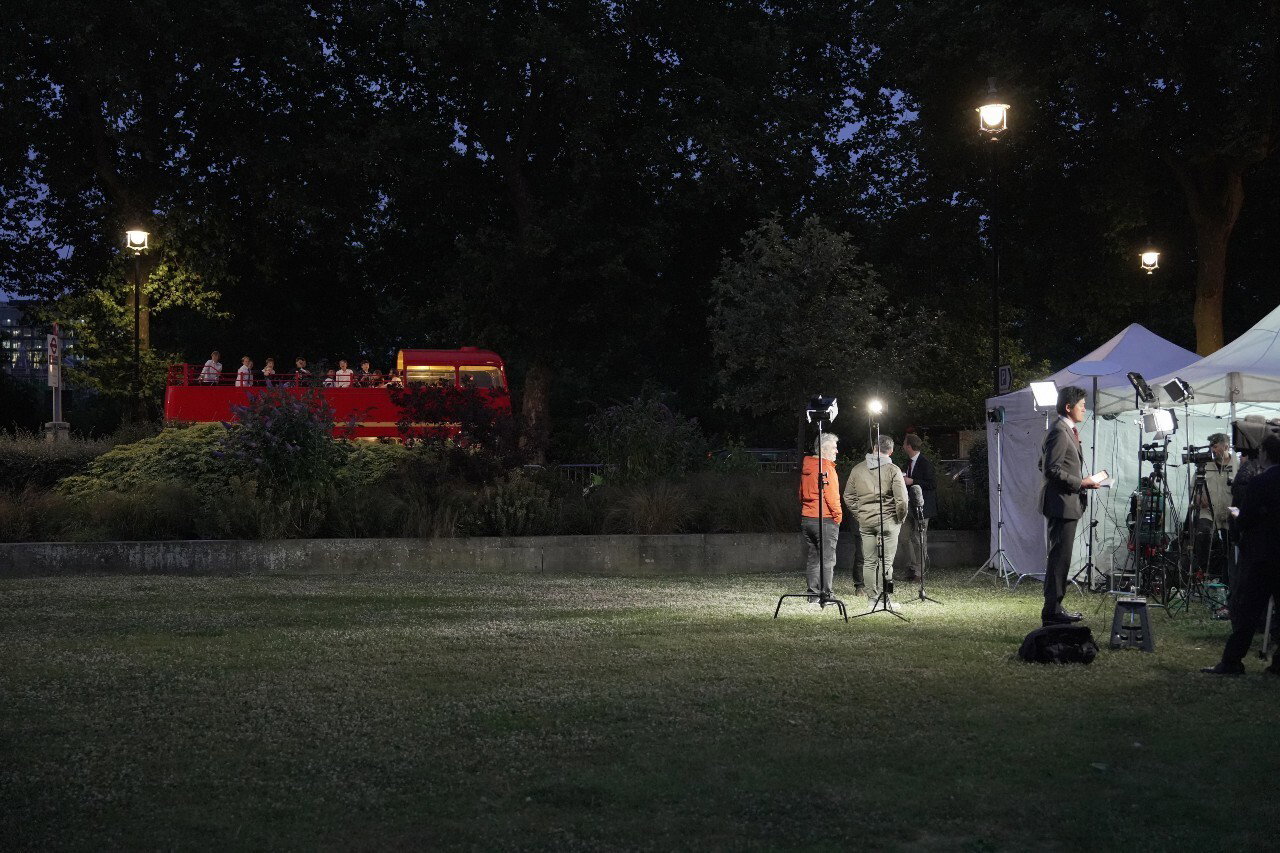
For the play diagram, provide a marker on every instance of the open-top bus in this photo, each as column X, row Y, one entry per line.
column 196, row 395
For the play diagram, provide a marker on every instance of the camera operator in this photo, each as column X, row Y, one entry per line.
column 1212, row 516
column 1259, row 571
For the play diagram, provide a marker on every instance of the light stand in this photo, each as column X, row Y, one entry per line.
column 1092, row 369
column 881, row 604
column 999, row 561
column 918, row 510
column 823, row 409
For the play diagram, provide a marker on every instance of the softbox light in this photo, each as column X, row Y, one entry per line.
column 1045, row 394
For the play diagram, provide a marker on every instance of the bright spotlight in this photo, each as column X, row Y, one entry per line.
column 1045, row 394
column 875, row 406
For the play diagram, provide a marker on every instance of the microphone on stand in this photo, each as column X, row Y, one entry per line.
column 917, row 500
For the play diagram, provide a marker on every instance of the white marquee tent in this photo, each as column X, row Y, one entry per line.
column 1241, row 379
column 1022, row 436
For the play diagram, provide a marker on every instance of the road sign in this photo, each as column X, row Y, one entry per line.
column 1006, row 378
column 53, row 350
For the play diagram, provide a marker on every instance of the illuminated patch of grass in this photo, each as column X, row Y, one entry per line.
column 497, row 712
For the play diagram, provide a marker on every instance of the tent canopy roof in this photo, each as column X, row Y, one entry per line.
column 1247, row 369
column 1135, row 348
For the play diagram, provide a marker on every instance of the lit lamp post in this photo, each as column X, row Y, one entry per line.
column 135, row 240
column 1150, row 259
column 993, row 120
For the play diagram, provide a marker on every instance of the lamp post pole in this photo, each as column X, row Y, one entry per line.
column 993, row 120
column 136, row 240
column 137, row 314
column 995, row 266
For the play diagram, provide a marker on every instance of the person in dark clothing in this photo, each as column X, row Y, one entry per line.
column 917, row 472
column 1259, row 570
column 1063, row 499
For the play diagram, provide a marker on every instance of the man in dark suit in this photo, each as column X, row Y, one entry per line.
column 917, row 472
column 1063, row 499
column 1259, row 569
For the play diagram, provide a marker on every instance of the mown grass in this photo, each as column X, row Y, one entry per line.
column 492, row 712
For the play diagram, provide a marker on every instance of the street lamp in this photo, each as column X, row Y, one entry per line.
column 993, row 120
column 136, row 240
column 1150, row 258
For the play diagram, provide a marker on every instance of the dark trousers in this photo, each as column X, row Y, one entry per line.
column 1258, row 583
column 1062, row 537
column 819, row 541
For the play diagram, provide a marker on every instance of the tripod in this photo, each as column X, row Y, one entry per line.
column 999, row 561
column 822, row 555
column 918, row 513
column 881, row 604
column 1197, row 571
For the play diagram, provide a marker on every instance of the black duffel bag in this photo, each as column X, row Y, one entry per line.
column 1059, row 644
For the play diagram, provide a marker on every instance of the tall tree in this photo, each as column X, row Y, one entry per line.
column 1117, row 99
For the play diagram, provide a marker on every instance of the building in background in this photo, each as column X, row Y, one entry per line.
column 22, row 345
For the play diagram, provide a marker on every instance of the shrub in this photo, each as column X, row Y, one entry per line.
column 643, row 441
column 286, row 439
column 369, row 463
column 960, row 508
column 743, row 503
column 651, row 508
column 27, row 459
column 35, row 515
column 515, row 505
column 177, row 455
column 167, row 511
column 249, row 511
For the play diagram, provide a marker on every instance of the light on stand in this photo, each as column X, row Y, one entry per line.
column 1163, row 422
column 1178, row 390
column 822, row 409
column 875, row 406
column 993, row 116
column 1045, row 394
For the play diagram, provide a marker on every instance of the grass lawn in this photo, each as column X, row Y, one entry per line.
column 495, row 712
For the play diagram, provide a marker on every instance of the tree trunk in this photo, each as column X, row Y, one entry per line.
column 535, row 411
column 1215, row 193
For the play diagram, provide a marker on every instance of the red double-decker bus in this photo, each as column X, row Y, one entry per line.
column 194, row 394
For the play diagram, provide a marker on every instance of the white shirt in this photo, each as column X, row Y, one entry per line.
column 244, row 376
column 344, row 378
column 210, row 372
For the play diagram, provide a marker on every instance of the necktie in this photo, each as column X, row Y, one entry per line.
column 1076, row 433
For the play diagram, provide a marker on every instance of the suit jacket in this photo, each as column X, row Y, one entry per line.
column 1062, row 462
column 1259, row 521
column 924, row 477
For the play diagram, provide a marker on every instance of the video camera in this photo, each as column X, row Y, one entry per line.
column 1155, row 453
column 1193, row 455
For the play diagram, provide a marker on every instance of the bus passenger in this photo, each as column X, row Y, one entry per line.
column 344, row 377
column 244, row 375
column 212, row 369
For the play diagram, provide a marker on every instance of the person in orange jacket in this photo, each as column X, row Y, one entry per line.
column 820, row 536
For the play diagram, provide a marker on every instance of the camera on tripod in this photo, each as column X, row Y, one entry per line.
column 1193, row 455
column 1155, row 453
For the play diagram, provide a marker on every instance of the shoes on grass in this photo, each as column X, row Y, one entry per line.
column 1221, row 668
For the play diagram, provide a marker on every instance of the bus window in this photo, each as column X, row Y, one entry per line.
column 421, row 374
column 481, row 377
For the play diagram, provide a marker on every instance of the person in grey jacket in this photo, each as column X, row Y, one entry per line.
column 1063, row 499
column 877, row 495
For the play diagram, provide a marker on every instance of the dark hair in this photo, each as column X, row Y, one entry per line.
column 912, row 441
column 1218, row 438
column 1068, row 397
column 1271, row 447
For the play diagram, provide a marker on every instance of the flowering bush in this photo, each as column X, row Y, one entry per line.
column 285, row 438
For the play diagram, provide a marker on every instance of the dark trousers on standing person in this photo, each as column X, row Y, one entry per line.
column 820, row 541
column 1062, row 536
column 1258, row 583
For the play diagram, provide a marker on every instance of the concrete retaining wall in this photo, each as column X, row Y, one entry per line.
column 595, row 555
